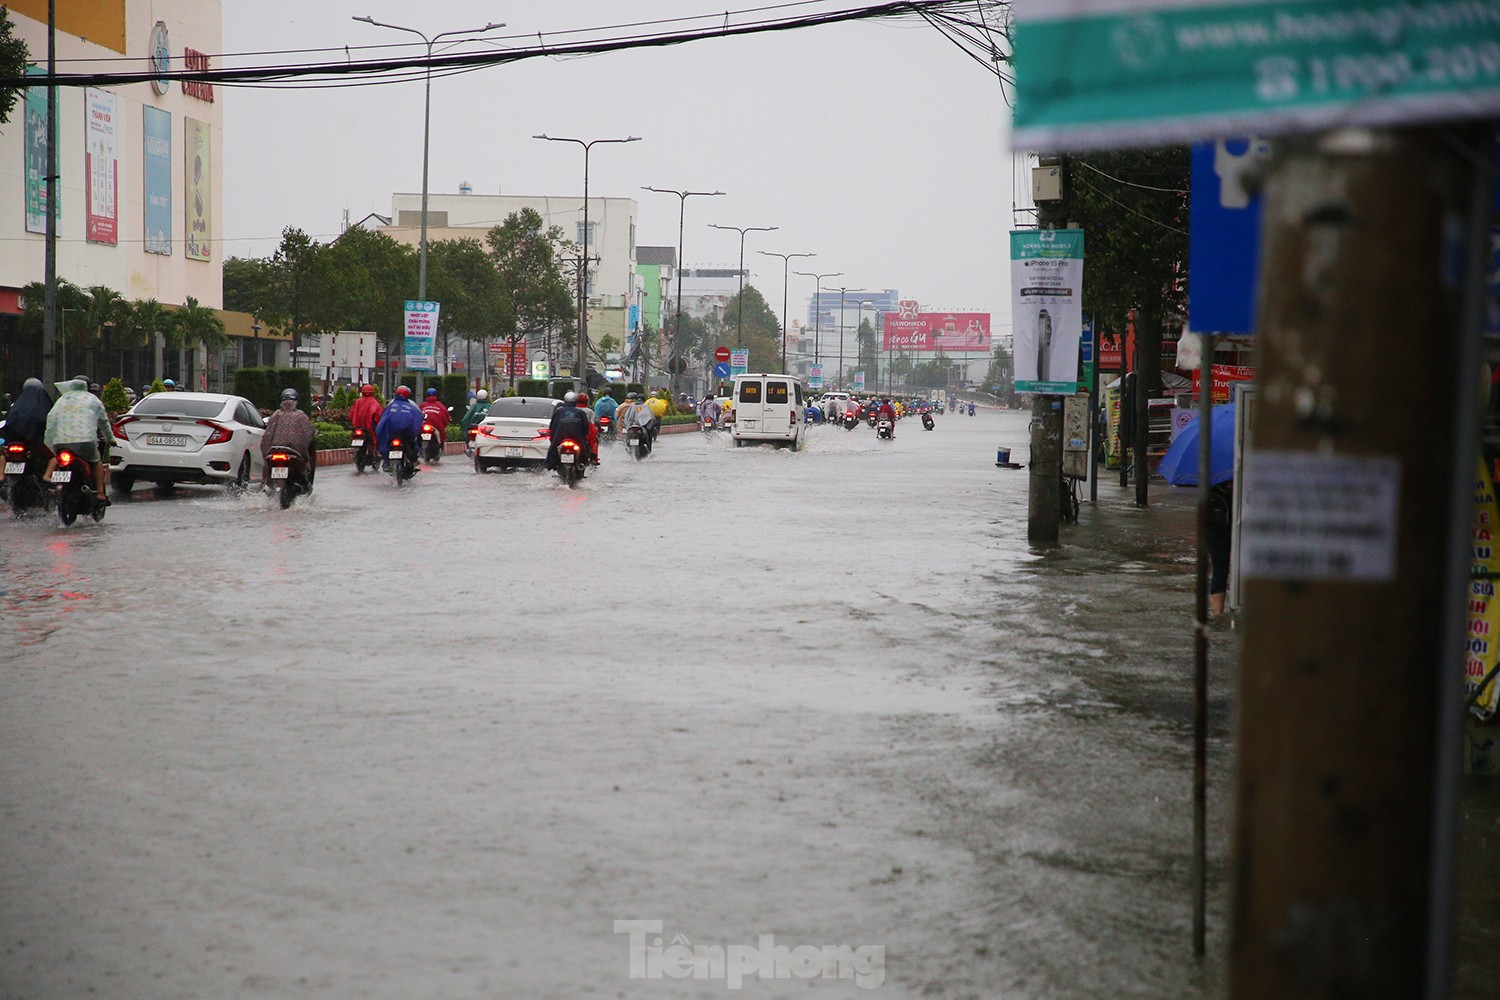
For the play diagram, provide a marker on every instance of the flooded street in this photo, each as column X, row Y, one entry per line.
column 436, row 741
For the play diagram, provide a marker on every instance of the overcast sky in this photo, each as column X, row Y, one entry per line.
column 879, row 146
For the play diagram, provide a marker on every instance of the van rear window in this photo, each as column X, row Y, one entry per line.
column 776, row 392
column 750, row 392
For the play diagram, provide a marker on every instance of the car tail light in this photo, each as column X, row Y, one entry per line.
column 545, row 432
column 119, row 427
column 220, row 434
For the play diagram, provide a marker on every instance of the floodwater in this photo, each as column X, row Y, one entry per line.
column 436, row 741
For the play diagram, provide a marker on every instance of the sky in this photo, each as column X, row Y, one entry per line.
column 881, row 147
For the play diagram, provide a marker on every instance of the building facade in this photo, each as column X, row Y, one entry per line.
column 140, row 196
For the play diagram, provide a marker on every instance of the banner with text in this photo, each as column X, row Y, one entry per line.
column 101, row 165
column 34, row 152
column 815, row 376
column 859, row 381
column 1224, row 377
column 1482, row 639
column 510, row 358
column 157, row 178
column 915, row 332
column 1046, row 279
column 200, row 206
column 739, row 361
column 421, row 334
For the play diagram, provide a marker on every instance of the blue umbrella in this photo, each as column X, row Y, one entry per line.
column 1180, row 464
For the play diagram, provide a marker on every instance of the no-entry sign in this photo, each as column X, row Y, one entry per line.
column 721, row 353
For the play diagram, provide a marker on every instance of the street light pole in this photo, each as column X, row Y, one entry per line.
column 786, row 262
column 838, row 375
column 583, row 253
column 682, row 197
column 818, row 311
column 739, row 335
column 427, row 125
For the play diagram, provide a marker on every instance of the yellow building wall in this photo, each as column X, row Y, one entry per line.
column 99, row 21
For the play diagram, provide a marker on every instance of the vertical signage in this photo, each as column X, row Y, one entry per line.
column 199, row 145
column 859, row 380
column 421, row 333
column 739, row 361
column 1046, row 277
column 101, row 166
column 156, row 172
column 815, row 377
column 34, row 151
column 1482, row 613
column 1224, row 235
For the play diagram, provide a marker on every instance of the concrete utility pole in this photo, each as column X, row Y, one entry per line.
column 1350, row 699
column 50, row 370
column 1044, row 497
column 1147, row 382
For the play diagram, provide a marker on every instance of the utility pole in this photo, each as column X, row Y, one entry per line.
column 786, row 263
column 739, row 330
column 1350, row 702
column 1147, row 383
column 1044, row 495
column 50, row 371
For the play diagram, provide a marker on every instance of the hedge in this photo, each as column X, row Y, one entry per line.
column 453, row 390
column 636, row 387
column 531, row 387
column 335, row 438
column 616, row 390
column 263, row 386
column 679, row 418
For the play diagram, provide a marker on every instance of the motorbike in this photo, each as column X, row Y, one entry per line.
column 469, row 437
column 884, row 429
column 23, row 478
column 638, row 442
column 606, row 430
column 572, row 461
column 971, row 409
column 403, row 459
column 432, row 443
column 927, row 423
column 75, row 489
column 288, row 475
column 851, row 420
column 870, row 419
column 365, row 455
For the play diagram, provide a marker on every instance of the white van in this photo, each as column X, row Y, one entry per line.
column 768, row 408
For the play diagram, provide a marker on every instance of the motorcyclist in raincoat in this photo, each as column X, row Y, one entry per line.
column 366, row 411
column 401, row 417
column 569, row 422
column 477, row 410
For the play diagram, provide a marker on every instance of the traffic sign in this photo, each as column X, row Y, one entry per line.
column 721, row 369
column 1224, row 235
column 739, row 361
column 721, row 353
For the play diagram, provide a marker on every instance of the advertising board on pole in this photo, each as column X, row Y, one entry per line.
column 1046, row 277
column 739, row 361
column 859, row 381
column 815, row 376
column 421, row 334
column 35, row 155
column 1482, row 611
column 1224, row 235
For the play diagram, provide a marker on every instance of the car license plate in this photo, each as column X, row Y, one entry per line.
column 279, row 472
column 395, row 454
column 62, row 476
column 568, row 459
column 513, row 452
column 14, row 468
column 167, row 440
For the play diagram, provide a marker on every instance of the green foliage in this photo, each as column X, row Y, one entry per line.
column 453, row 390
column 13, row 56
column 635, row 387
column 251, row 383
column 263, row 386
column 679, row 418
column 114, row 398
column 333, row 437
column 557, row 389
column 531, row 387
column 194, row 323
column 616, row 390
column 294, row 378
column 526, row 253
column 157, row 385
column 762, row 331
column 454, row 432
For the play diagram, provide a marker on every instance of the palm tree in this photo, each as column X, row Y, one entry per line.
column 198, row 323
column 105, row 308
column 151, row 318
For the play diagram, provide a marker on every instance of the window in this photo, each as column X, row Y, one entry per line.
column 776, row 392
column 799, row 392
column 523, row 406
column 245, row 414
column 750, row 392
column 172, row 404
column 590, row 234
column 588, row 284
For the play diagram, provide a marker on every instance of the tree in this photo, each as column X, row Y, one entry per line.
column 526, row 253
column 1000, row 380
column 869, row 353
column 368, row 277
column 13, row 58
column 252, row 285
column 762, row 329
column 463, row 277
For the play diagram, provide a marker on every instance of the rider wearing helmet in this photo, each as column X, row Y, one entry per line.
column 477, row 410
column 366, row 411
column 290, row 428
column 593, row 419
column 435, row 412
column 401, row 417
column 570, row 422
column 887, row 411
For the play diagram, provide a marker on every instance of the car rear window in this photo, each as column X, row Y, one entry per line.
column 776, row 392
column 523, row 406
column 750, row 392
column 161, row 404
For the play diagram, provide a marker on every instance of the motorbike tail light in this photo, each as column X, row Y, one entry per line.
column 570, row 446
column 220, row 434
column 65, row 458
column 118, row 427
column 395, row 442
column 280, row 458
column 15, row 448
column 473, row 432
column 427, row 428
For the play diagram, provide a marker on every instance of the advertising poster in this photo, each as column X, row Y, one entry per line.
column 157, row 173
column 101, row 165
column 34, row 150
column 1046, row 277
column 1224, row 377
column 859, row 381
column 815, row 376
column 739, row 361
column 421, row 333
column 199, row 145
column 1483, row 613
column 915, row 332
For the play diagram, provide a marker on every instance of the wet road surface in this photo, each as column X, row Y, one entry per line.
column 434, row 742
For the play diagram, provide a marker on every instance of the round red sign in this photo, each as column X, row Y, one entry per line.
column 721, row 354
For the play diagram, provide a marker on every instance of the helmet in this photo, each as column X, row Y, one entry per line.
column 431, row 393
column 168, row 383
column 289, row 394
column 484, row 394
column 367, row 390
column 570, row 397
column 403, row 391
column 583, row 398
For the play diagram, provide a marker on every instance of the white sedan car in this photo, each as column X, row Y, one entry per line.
column 514, row 433
column 187, row 437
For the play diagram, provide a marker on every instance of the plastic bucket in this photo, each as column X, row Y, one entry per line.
column 1002, row 456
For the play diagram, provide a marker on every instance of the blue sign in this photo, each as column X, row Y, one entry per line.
column 721, row 369
column 1224, row 239
column 1086, row 342
column 635, row 318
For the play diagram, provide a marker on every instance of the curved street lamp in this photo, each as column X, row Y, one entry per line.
column 786, row 260
column 739, row 334
column 818, row 311
column 682, row 197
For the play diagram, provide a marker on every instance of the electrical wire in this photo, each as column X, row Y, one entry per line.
column 1108, row 197
column 1117, row 180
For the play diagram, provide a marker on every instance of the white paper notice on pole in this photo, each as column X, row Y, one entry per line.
column 1046, row 280
column 421, row 334
column 1309, row 516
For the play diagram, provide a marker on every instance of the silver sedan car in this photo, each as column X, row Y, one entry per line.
column 187, row 437
column 514, row 433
